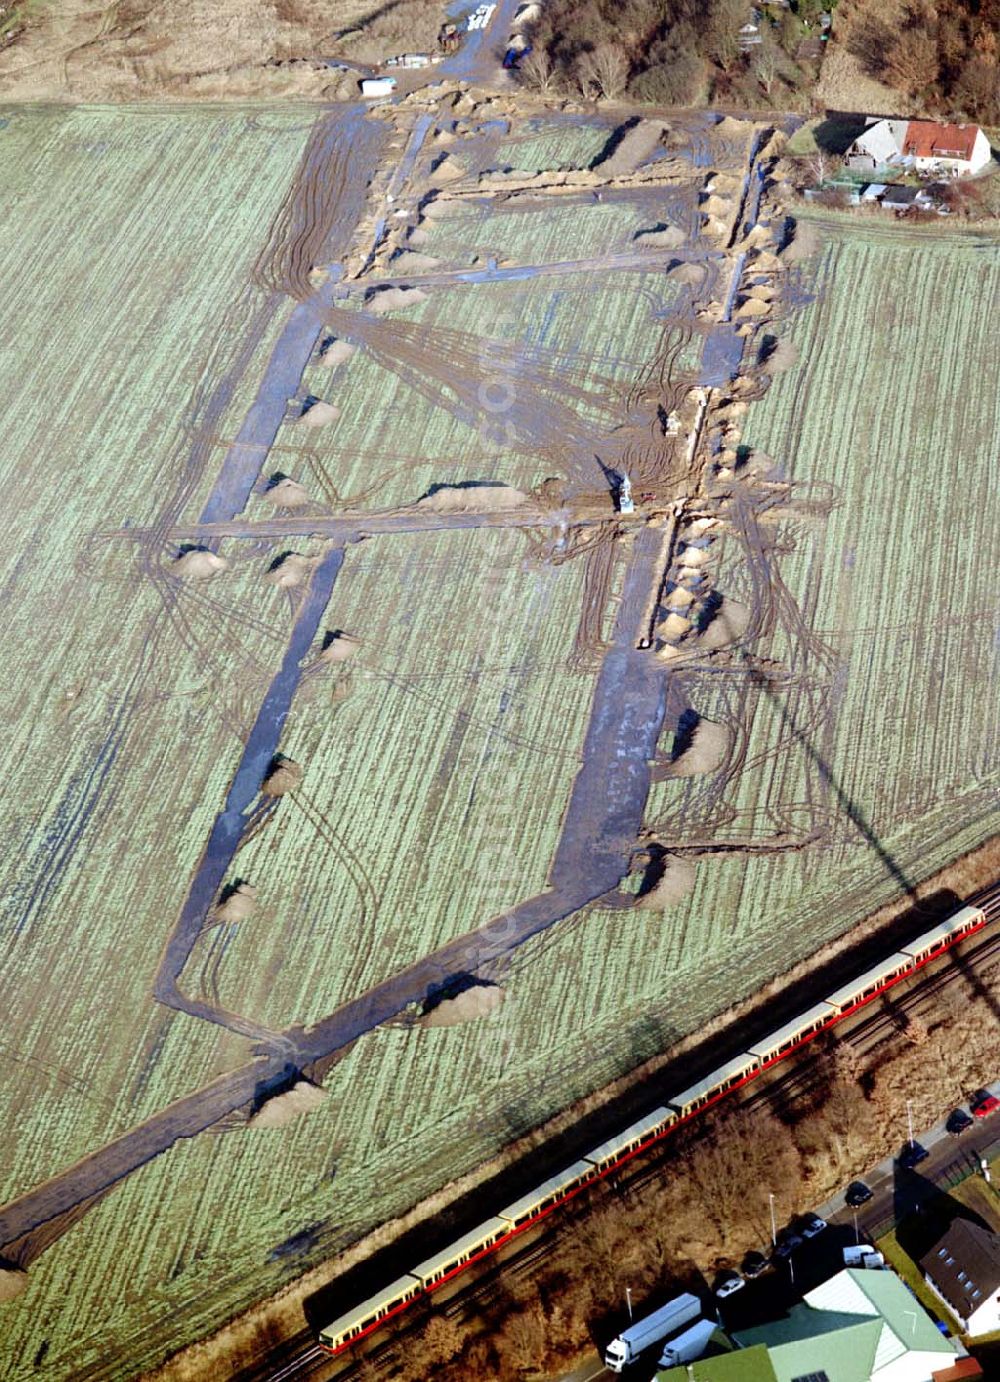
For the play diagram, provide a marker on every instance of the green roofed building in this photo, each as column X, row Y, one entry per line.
column 860, row 1326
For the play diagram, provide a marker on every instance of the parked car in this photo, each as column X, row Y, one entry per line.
column 958, row 1121
column 912, row 1155
column 727, row 1283
column 985, row 1104
column 857, row 1194
column 754, row 1264
column 809, row 1225
column 863, row 1256
column 788, row 1241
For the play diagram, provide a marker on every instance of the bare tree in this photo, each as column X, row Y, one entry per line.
column 526, row 1335
column 537, row 71
column 819, row 165
column 765, row 63
column 603, row 72
column 723, row 38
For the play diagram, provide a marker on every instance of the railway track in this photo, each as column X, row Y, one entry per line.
column 864, row 1029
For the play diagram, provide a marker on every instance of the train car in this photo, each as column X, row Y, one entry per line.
column 476, row 1243
column 631, row 1139
column 865, row 986
column 355, row 1324
column 946, row 933
column 780, row 1043
column 547, row 1195
column 713, row 1086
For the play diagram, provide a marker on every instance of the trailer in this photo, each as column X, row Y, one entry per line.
column 646, row 1332
column 372, row 87
column 686, row 1347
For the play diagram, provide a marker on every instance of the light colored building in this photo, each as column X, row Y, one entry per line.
column 927, row 146
column 860, row 1326
column 963, row 1270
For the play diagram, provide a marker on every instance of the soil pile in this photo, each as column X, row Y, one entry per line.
column 689, row 274
column 12, row 1282
column 293, row 570
column 341, row 647
column 287, row 493
column 716, row 206
column 318, row 414
column 803, row 245
column 336, row 353
column 752, row 308
column 382, row 300
column 730, row 623
column 472, row 499
column 672, row 885
column 705, row 751
column 674, row 627
column 783, row 356
column 660, row 237
column 410, row 262
column 478, row 1001
column 285, row 776
column 634, row 147
column 448, row 170
column 240, row 904
column 729, row 127
column 199, row 565
column 283, row 1109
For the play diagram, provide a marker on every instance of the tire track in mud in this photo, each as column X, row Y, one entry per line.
column 323, row 204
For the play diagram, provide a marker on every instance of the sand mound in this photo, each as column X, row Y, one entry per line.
column 382, row 300
column 721, row 182
column 804, row 243
column 287, row 494
column 337, row 353
column 695, row 556
column 318, row 414
column 478, row 1001
column 763, row 292
column 632, row 149
column 687, row 273
column 12, row 1282
column 774, row 146
column 728, row 126
column 285, row 776
column 665, row 237
column 240, row 904
column 198, row 565
column 282, row 1109
column 417, row 236
column 448, row 170
column 730, row 623
column 716, row 206
column 341, row 648
column 759, row 237
column 766, row 262
column 752, row 308
column 713, row 226
column 784, row 355
column 293, row 570
column 673, row 884
column 704, row 525
column 434, row 209
column 679, row 599
column 673, row 628
column 756, row 462
column 410, row 262
column 705, row 751
column 472, row 499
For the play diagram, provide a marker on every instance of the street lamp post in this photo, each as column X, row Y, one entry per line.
column 774, row 1227
column 857, row 1235
column 628, row 1299
column 909, row 1120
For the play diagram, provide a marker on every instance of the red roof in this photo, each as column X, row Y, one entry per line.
column 928, row 139
column 963, row 1371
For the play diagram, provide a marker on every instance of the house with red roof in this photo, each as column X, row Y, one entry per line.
column 926, row 146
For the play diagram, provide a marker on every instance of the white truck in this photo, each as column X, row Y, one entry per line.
column 641, row 1335
column 686, row 1347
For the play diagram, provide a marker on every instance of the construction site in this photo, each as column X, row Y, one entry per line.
column 448, row 674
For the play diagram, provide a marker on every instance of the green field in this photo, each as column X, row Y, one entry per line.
column 439, row 761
